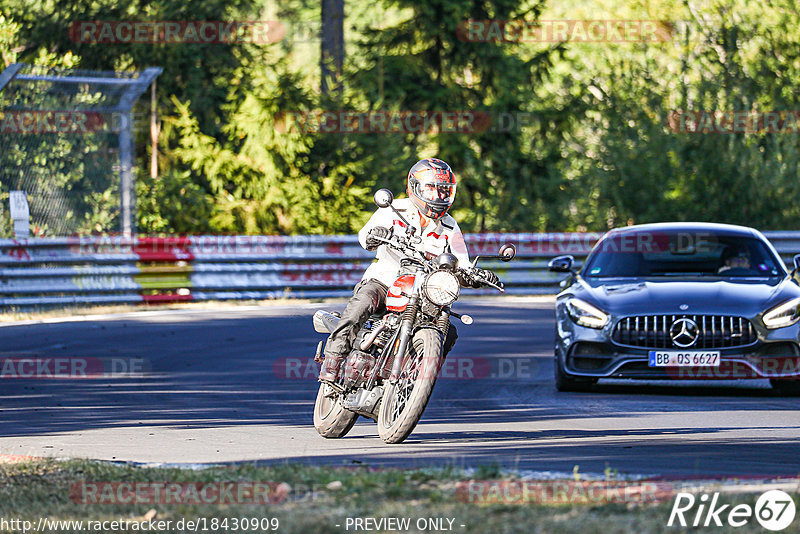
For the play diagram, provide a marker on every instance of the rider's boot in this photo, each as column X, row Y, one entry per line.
column 330, row 368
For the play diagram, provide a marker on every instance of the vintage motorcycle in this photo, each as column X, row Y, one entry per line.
column 390, row 373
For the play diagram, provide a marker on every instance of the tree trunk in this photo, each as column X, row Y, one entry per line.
column 332, row 44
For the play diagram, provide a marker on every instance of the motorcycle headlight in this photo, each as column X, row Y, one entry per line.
column 585, row 314
column 441, row 288
column 785, row 314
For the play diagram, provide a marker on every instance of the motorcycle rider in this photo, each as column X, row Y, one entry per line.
column 431, row 188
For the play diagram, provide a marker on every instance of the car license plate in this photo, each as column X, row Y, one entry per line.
column 683, row 358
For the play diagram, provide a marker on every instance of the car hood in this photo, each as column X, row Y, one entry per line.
column 744, row 297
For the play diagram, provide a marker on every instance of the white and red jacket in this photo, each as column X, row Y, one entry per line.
column 439, row 236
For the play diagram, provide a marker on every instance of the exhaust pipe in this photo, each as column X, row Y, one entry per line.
column 367, row 343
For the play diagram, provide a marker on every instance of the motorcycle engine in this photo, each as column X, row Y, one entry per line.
column 358, row 367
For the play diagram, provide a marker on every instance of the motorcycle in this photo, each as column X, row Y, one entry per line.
column 390, row 373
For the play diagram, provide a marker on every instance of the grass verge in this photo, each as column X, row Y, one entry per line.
column 305, row 499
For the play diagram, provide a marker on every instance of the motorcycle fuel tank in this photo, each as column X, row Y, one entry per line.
column 396, row 299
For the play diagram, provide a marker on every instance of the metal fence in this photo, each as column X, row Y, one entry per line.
column 99, row 270
column 66, row 143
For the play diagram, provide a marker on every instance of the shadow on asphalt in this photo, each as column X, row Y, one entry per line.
column 210, row 372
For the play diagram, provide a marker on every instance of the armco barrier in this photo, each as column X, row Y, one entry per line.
column 96, row 270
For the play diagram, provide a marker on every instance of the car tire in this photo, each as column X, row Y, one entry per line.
column 567, row 382
column 789, row 388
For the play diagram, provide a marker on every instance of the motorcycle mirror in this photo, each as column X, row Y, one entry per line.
column 507, row 252
column 383, row 198
column 466, row 319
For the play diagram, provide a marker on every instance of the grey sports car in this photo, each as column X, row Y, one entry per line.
column 678, row 301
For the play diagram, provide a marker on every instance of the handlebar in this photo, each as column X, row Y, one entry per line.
column 403, row 244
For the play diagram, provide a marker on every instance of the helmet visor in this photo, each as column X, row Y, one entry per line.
column 436, row 192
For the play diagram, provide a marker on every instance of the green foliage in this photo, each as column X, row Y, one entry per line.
column 595, row 149
column 69, row 179
column 199, row 73
column 504, row 174
column 173, row 203
column 731, row 56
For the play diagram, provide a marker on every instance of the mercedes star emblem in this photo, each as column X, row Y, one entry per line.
column 684, row 333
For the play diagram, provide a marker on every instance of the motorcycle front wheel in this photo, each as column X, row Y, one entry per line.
column 331, row 419
column 404, row 402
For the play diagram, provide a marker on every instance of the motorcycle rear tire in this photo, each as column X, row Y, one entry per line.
column 331, row 419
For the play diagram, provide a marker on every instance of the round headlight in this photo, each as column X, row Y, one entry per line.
column 441, row 288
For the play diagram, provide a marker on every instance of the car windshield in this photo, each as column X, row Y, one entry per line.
column 681, row 253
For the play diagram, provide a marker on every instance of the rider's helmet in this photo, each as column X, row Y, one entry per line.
column 432, row 187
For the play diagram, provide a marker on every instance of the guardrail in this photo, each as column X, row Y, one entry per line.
column 99, row 270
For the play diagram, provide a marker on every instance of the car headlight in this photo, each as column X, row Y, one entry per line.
column 785, row 314
column 585, row 314
column 441, row 288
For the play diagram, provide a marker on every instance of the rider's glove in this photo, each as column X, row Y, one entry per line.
column 478, row 277
column 375, row 235
column 487, row 276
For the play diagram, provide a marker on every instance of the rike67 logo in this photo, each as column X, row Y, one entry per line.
column 774, row 510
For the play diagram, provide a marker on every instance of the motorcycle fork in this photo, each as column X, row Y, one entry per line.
column 443, row 324
column 406, row 331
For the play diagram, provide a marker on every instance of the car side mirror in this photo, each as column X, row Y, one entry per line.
column 561, row 264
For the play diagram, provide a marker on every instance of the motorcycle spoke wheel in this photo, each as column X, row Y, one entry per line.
column 404, row 401
column 405, row 385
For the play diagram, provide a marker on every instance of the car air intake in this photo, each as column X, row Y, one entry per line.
column 713, row 332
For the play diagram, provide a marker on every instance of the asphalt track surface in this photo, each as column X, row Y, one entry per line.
column 235, row 384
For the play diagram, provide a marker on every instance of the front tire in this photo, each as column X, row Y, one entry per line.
column 566, row 382
column 331, row 419
column 404, row 402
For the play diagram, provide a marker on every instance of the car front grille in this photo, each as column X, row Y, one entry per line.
column 715, row 331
